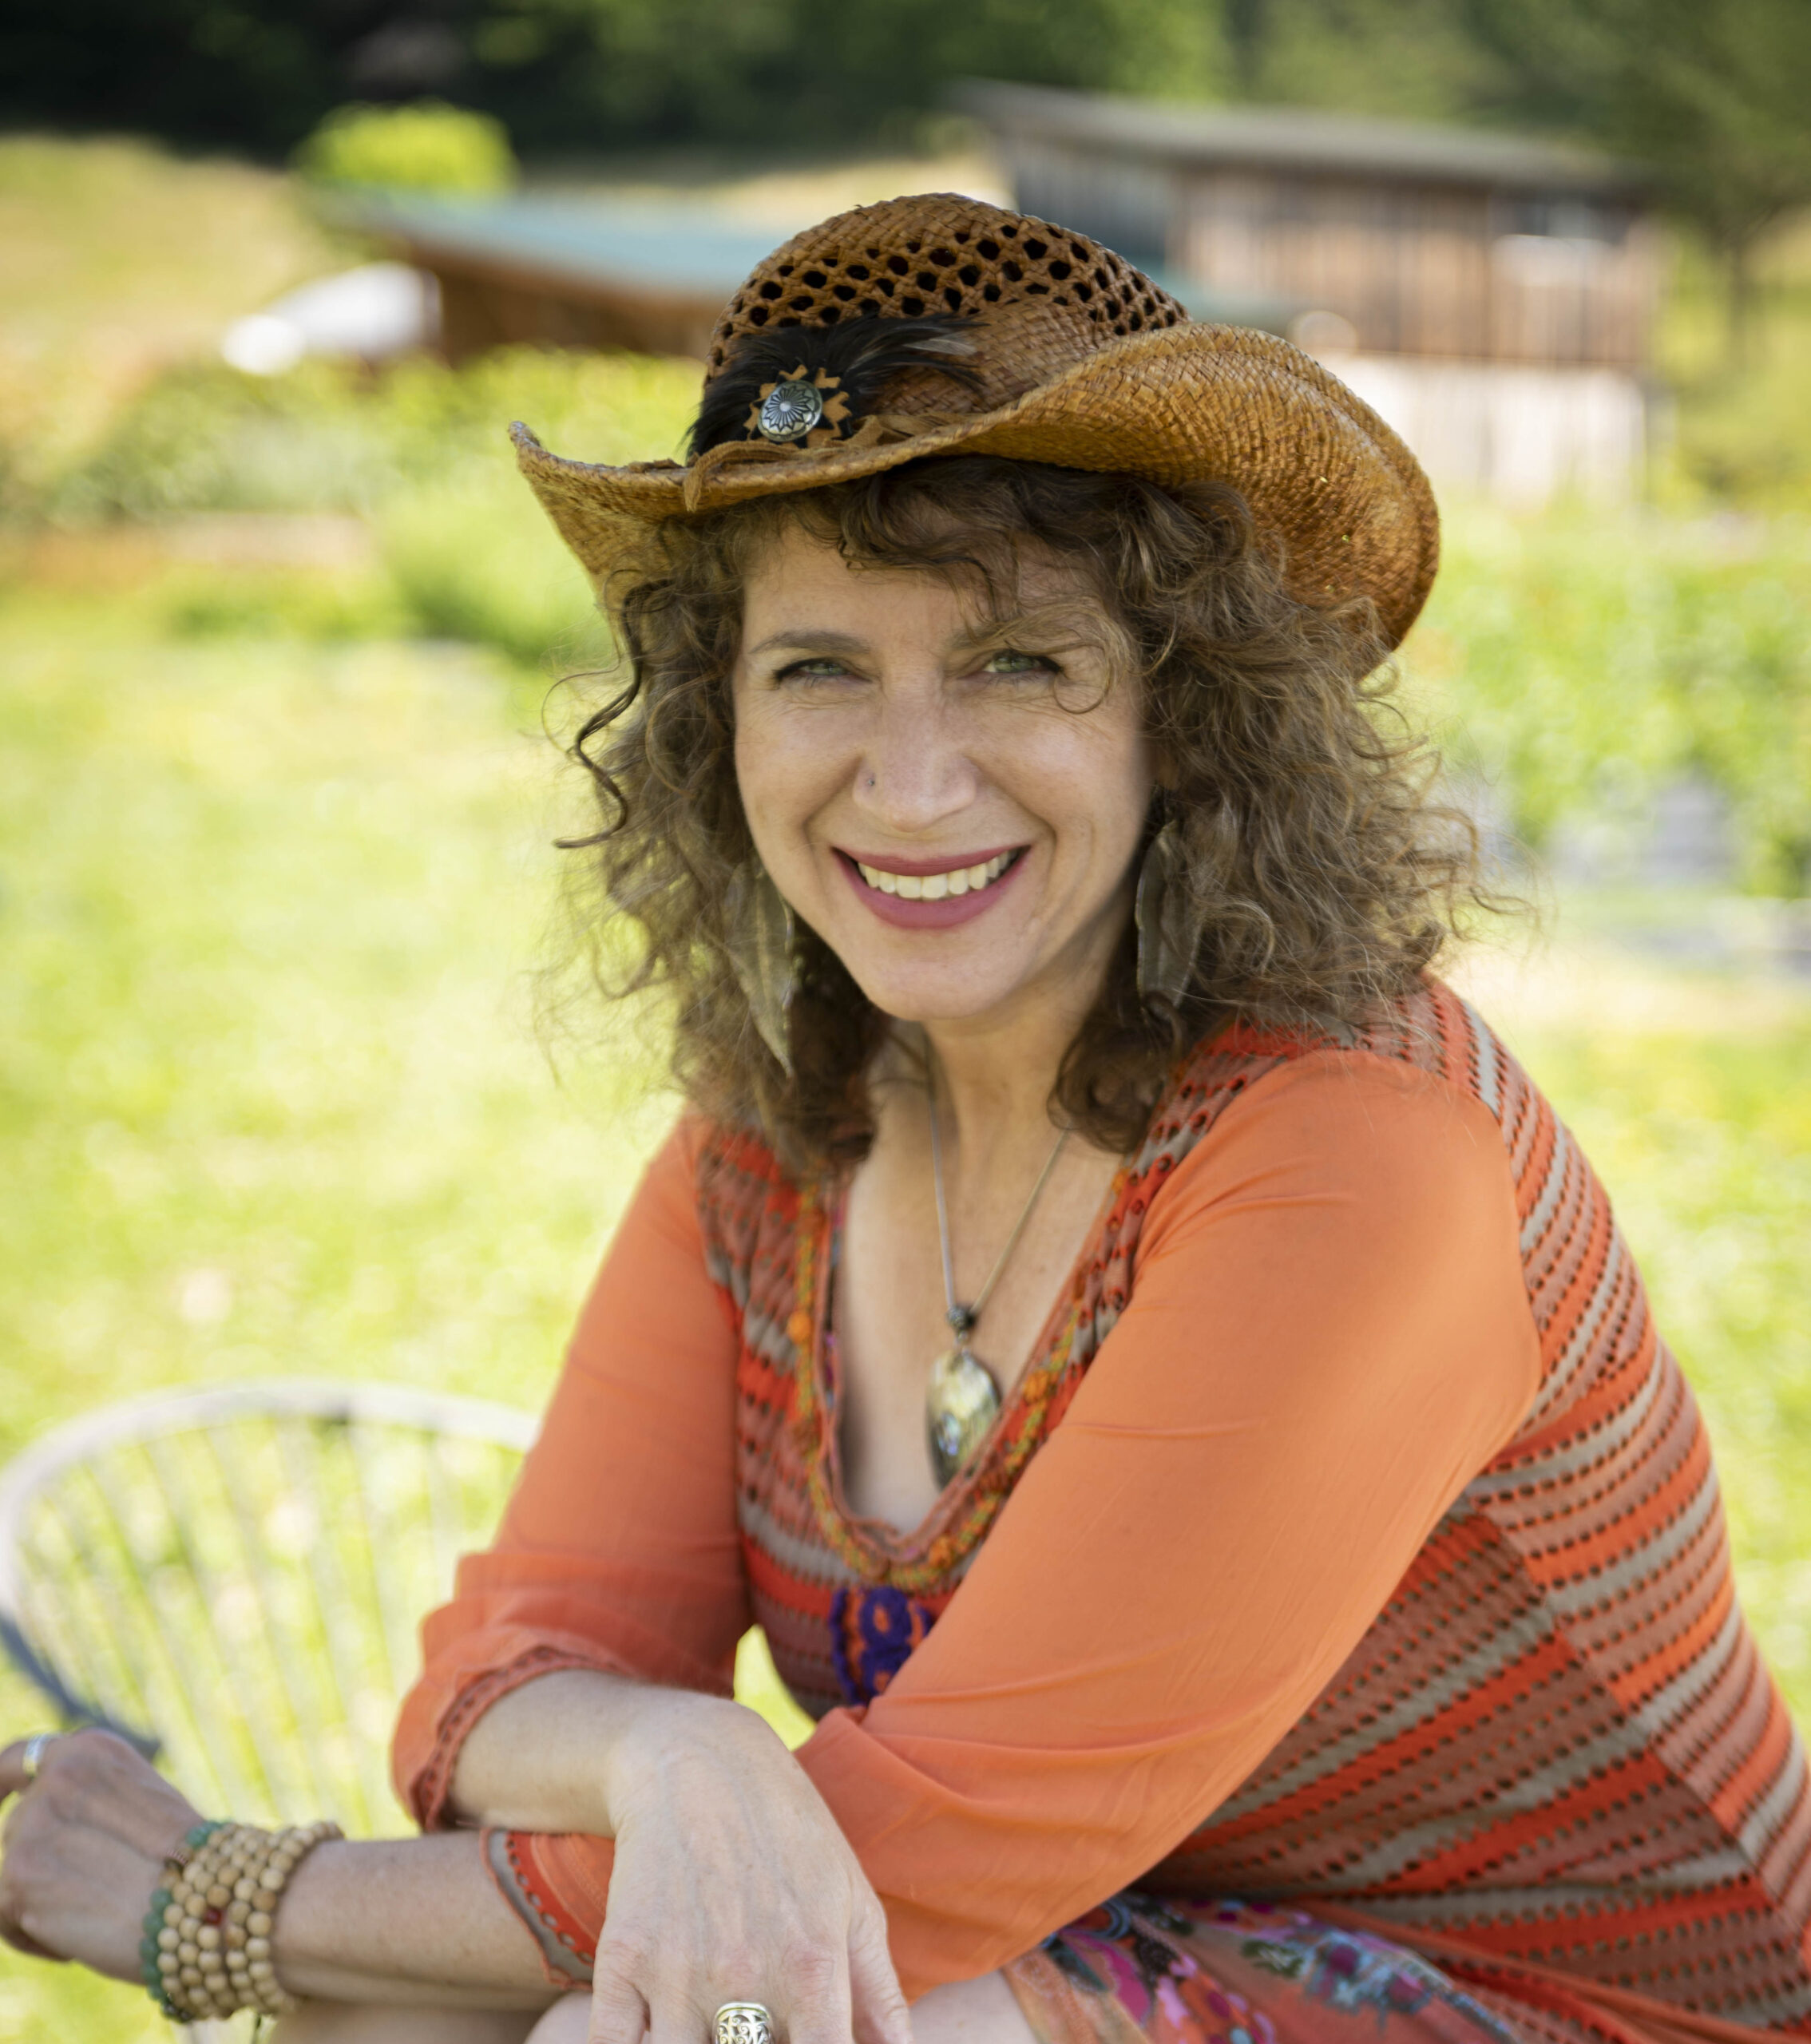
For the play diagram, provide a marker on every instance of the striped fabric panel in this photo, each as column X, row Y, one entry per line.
column 1558, row 1740
column 1559, row 1733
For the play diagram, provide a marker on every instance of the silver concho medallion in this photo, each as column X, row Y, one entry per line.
column 789, row 410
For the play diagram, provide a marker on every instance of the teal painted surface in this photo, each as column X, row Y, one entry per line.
column 671, row 248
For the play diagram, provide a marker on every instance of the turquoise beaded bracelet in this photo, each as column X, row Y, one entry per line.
column 206, row 1950
column 164, row 1914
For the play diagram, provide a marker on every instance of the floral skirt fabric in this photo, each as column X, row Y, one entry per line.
column 1139, row 1970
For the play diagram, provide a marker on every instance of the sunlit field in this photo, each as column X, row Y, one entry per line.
column 270, row 1101
column 279, row 894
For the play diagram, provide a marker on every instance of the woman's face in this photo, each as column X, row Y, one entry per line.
column 951, row 799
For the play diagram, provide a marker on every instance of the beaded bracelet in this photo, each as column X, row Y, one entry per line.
column 206, row 1950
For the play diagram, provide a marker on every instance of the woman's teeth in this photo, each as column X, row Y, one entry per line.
column 933, row 886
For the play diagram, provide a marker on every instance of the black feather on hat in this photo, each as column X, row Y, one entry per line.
column 853, row 361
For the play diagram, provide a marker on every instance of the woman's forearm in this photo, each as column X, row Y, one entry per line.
column 407, row 1920
column 419, row 1920
column 562, row 1752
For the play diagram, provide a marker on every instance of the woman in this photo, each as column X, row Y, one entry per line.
column 1170, row 1390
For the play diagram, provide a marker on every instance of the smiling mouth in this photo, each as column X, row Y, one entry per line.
column 938, row 886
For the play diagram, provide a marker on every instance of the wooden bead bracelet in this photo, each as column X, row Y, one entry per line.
column 206, row 1950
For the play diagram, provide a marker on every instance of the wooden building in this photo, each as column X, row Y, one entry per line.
column 1492, row 295
column 565, row 272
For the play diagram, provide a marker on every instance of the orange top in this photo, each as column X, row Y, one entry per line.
column 1326, row 1337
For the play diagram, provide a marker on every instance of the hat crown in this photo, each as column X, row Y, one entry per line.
column 940, row 325
column 942, row 253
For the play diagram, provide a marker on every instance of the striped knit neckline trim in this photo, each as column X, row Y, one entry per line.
column 929, row 1561
column 925, row 1560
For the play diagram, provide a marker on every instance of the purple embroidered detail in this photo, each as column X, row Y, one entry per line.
column 873, row 1629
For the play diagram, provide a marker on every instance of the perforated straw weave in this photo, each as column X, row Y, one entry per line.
column 1082, row 362
column 945, row 254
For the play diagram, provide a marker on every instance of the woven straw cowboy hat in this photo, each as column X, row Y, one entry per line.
column 940, row 325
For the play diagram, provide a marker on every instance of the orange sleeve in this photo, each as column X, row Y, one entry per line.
column 1328, row 1336
column 618, row 1548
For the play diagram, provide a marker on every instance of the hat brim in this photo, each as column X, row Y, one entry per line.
column 1188, row 403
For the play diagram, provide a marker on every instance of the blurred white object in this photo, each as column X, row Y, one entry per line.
column 1323, row 334
column 1526, row 436
column 374, row 312
column 262, row 345
column 1516, row 432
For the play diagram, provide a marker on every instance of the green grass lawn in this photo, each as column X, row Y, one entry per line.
column 270, row 1100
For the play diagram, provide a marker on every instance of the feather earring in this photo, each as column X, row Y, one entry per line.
column 1170, row 920
column 759, row 935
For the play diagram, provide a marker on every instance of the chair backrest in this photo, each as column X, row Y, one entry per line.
column 234, row 1578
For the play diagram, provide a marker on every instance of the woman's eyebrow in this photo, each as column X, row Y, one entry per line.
column 989, row 634
column 811, row 642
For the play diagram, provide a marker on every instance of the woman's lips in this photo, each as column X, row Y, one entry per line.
column 944, row 914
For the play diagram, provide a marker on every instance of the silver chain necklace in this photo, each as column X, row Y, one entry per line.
column 962, row 1400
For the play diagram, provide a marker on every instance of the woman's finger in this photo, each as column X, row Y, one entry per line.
column 81, row 1853
column 566, row 2023
column 96, row 1779
column 879, row 2006
column 814, row 1991
column 679, row 2017
column 13, row 1775
column 10, row 1934
column 618, row 2015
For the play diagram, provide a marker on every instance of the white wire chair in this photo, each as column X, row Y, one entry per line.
column 233, row 1579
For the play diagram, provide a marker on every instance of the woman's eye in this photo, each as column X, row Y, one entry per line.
column 1011, row 662
column 826, row 669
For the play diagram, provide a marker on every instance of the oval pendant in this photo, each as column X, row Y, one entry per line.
column 961, row 1403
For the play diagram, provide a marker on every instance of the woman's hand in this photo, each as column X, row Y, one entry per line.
column 733, row 1883
column 84, row 1847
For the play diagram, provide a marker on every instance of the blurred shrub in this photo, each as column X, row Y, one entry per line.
column 425, row 147
column 239, row 602
column 1745, row 436
column 421, row 450
column 326, row 438
column 1579, row 662
column 1746, row 440
column 478, row 564
column 206, row 438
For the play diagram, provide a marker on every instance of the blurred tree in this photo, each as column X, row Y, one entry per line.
column 579, row 75
column 425, row 146
column 257, row 74
column 1714, row 96
column 1408, row 59
column 789, row 74
column 1713, row 93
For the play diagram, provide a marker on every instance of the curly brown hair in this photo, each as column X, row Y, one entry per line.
column 1323, row 878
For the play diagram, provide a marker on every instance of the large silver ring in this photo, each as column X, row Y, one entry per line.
column 743, row 2023
column 32, row 1759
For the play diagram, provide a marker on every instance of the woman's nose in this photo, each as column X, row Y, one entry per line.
column 914, row 771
